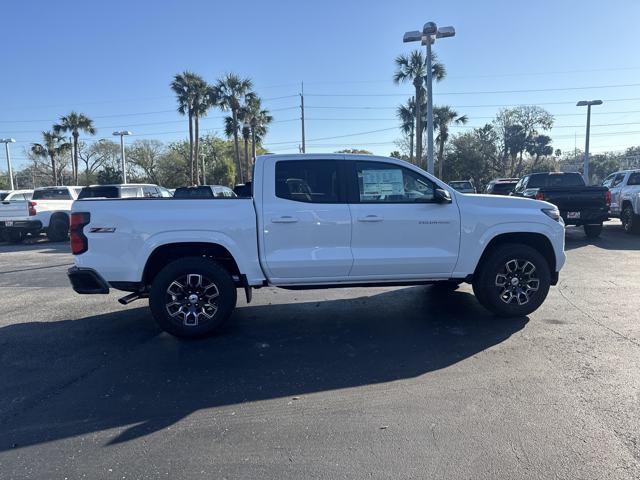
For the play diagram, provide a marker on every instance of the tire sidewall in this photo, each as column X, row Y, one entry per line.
column 181, row 267
column 58, row 230
column 488, row 294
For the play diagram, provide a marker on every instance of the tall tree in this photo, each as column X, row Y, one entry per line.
column 75, row 123
column 443, row 117
column 185, row 86
column 233, row 91
column 413, row 68
column 258, row 120
column 51, row 146
column 406, row 113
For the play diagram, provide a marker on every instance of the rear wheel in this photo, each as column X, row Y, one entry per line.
column 630, row 221
column 192, row 297
column 593, row 231
column 512, row 281
column 58, row 230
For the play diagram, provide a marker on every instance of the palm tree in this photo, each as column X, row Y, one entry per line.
column 413, row 68
column 233, row 92
column 443, row 117
column 75, row 123
column 258, row 120
column 246, row 135
column 406, row 113
column 52, row 146
column 190, row 93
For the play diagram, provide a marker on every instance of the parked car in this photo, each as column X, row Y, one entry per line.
column 204, row 191
column 47, row 211
column 578, row 204
column 501, row 186
column 12, row 202
column 128, row 190
column 359, row 220
column 463, row 186
column 625, row 198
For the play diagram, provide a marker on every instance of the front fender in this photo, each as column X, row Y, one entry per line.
column 475, row 243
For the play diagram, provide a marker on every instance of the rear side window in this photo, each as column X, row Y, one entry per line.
column 193, row 192
column 150, row 192
column 52, row 194
column 99, row 192
column 310, row 181
column 634, row 179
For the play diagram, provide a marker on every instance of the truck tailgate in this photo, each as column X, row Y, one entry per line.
column 14, row 209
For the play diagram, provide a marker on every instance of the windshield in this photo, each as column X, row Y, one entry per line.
column 463, row 185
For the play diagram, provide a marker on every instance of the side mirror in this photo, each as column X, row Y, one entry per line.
column 441, row 196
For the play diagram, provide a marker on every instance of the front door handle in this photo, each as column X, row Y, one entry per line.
column 284, row 219
column 370, row 218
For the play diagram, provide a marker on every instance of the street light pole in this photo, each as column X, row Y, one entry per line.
column 6, row 142
column 430, row 164
column 588, row 104
column 122, row 133
column 430, row 32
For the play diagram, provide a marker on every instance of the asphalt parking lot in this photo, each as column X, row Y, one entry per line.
column 344, row 383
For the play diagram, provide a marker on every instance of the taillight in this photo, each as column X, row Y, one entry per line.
column 79, row 243
column 607, row 198
column 539, row 196
column 32, row 208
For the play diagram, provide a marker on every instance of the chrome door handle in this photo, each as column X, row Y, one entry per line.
column 284, row 219
column 370, row 218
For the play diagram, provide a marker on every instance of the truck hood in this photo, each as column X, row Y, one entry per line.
column 499, row 201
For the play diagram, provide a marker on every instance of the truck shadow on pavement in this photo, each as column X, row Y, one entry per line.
column 118, row 371
column 613, row 237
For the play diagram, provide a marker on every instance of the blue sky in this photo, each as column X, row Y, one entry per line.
column 114, row 61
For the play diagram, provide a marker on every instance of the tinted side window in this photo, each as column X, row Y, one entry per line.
column 388, row 183
column 311, row 181
column 634, row 179
column 194, row 192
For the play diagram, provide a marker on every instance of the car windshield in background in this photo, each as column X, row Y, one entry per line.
column 461, row 185
column 556, row 180
column 193, row 192
column 99, row 192
column 52, row 194
column 503, row 187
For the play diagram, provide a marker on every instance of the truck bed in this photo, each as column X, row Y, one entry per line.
column 577, row 204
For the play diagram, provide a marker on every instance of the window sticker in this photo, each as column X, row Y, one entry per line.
column 381, row 183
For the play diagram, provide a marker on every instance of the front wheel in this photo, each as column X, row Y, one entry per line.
column 630, row 221
column 512, row 281
column 192, row 297
column 593, row 231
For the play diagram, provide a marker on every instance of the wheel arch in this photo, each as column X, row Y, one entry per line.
column 537, row 241
column 162, row 255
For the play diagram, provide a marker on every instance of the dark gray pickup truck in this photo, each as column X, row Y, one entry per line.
column 578, row 203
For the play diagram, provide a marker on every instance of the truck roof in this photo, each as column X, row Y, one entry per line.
column 326, row 156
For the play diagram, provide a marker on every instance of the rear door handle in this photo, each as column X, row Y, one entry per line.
column 284, row 219
column 370, row 218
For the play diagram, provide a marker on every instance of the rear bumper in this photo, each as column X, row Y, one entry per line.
column 587, row 217
column 87, row 281
column 28, row 225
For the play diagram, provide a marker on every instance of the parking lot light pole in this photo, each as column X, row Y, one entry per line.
column 6, row 142
column 587, row 103
column 122, row 133
column 430, row 32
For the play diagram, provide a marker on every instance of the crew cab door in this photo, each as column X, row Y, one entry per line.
column 306, row 222
column 399, row 230
column 615, row 187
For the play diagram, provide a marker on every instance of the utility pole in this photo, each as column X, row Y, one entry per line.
column 304, row 150
column 430, row 164
column 588, row 104
column 204, row 173
column 6, row 142
column 122, row 133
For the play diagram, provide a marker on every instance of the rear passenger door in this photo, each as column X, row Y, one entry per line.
column 615, row 187
column 306, row 222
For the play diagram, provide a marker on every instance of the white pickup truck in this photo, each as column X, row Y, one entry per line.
column 625, row 198
column 315, row 221
column 47, row 211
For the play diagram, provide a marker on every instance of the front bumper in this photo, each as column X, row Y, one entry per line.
column 87, row 281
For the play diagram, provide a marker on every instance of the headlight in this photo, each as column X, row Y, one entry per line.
column 553, row 213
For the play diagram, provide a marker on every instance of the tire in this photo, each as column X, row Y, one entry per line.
column 58, row 230
column 14, row 236
column 630, row 221
column 593, row 231
column 496, row 289
column 190, row 317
